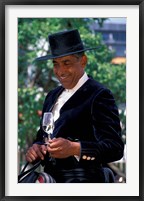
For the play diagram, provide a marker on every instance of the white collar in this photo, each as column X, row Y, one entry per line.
column 81, row 81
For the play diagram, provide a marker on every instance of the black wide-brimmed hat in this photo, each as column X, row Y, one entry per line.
column 63, row 44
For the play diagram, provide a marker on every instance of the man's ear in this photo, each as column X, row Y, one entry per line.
column 84, row 61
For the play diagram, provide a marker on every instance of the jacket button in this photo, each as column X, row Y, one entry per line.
column 84, row 157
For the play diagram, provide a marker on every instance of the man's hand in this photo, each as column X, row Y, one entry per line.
column 63, row 148
column 36, row 151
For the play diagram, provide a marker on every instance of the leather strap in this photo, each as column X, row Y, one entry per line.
column 23, row 172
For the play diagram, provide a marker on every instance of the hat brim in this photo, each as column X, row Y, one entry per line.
column 47, row 57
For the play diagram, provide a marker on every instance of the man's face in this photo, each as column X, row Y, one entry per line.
column 69, row 69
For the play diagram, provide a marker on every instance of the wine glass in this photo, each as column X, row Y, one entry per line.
column 48, row 126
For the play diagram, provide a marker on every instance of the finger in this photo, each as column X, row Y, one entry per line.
column 55, row 144
column 54, row 139
column 32, row 152
column 36, row 151
column 31, row 155
column 40, row 155
column 44, row 149
column 30, row 158
column 54, row 150
column 52, row 142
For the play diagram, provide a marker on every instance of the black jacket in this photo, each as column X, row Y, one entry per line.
column 91, row 117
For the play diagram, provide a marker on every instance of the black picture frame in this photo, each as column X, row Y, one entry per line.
column 3, row 3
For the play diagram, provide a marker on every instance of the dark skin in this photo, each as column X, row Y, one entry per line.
column 68, row 70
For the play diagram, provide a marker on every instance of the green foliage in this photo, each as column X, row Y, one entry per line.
column 30, row 102
column 36, row 79
column 113, row 77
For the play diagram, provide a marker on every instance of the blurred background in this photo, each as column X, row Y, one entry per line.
column 35, row 80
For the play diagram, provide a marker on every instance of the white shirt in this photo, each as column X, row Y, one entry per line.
column 66, row 94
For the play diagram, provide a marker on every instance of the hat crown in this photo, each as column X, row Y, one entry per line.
column 65, row 42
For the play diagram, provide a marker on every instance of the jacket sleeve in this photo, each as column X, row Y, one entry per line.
column 108, row 145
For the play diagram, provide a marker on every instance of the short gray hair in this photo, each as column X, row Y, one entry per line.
column 79, row 54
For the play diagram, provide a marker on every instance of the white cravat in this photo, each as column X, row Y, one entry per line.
column 66, row 94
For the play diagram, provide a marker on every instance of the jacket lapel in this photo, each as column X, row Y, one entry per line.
column 79, row 96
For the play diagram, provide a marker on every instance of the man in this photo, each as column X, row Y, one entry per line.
column 87, row 131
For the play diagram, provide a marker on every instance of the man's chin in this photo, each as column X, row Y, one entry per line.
column 65, row 84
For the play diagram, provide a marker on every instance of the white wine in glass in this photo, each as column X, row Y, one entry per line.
column 48, row 125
